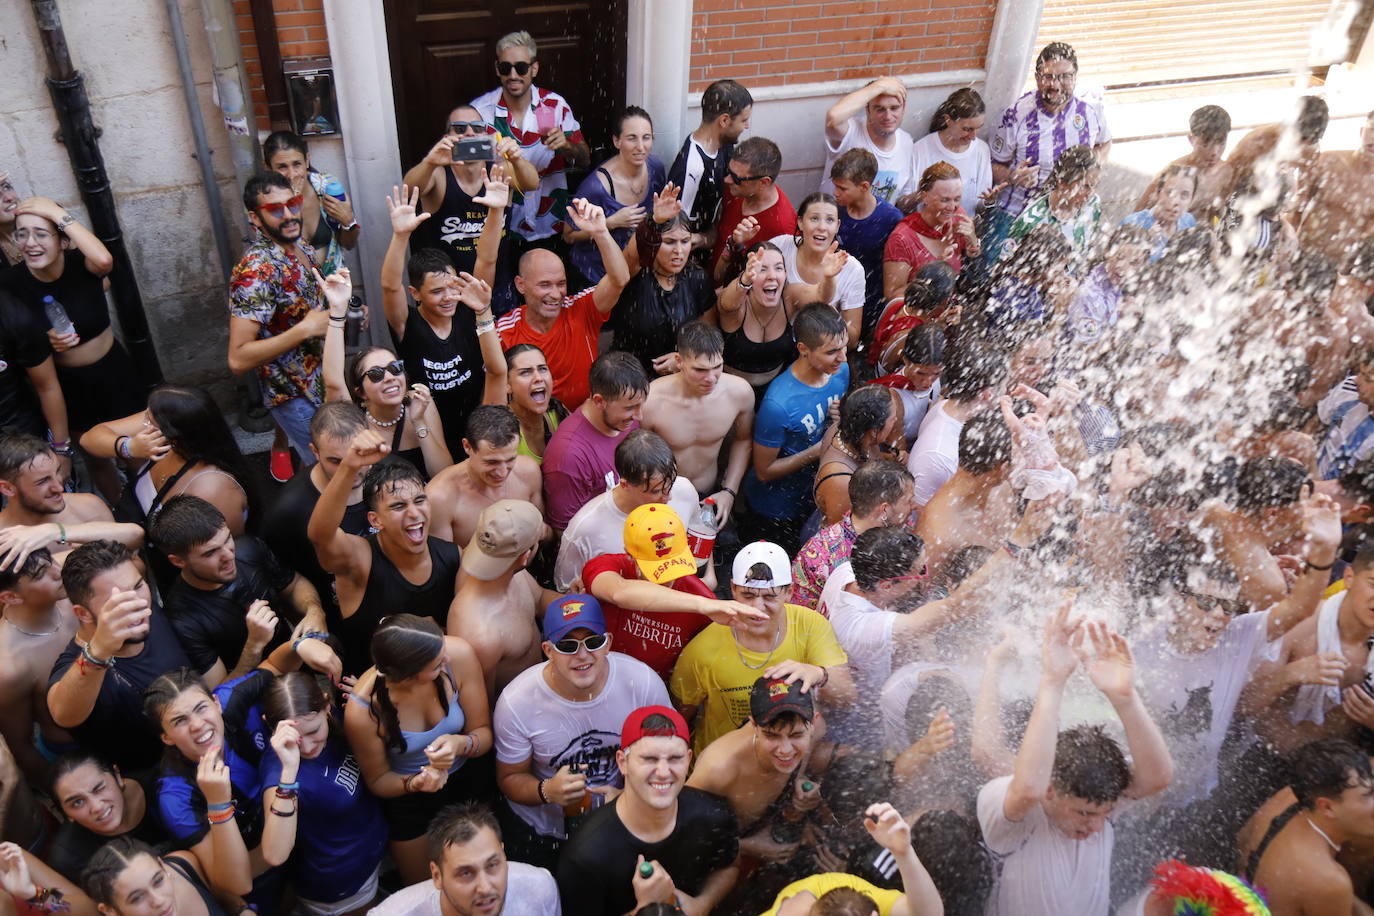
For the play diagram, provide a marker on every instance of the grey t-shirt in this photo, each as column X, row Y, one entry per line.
column 530, row 891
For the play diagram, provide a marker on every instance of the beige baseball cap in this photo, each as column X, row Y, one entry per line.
column 505, row 530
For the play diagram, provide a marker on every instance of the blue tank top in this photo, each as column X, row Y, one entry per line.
column 411, row 759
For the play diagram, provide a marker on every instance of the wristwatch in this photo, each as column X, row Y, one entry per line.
column 422, row 431
column 65, row 221
column 350, row 226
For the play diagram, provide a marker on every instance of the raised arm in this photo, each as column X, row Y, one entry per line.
column 987, row 746
column 837, row 118
column 657, row 599
column 495, row 197
column 593, row 219
column 338, row 287
column 1321, row 530
column 227, row 862
column 99, row 261
column 476, row 295
column 405, row 218
column 733, row 295
column 428, row 175
column 919, row 894
column 1112, row 671
column 341, row 553
column 800, row 294
column 72, row 699
column 280, row 815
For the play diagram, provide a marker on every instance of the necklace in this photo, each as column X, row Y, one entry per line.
column 844, row 450
column 55, row 628
column 387, row 424
column 739, row 652
column 1322, row 834
column 763, row 325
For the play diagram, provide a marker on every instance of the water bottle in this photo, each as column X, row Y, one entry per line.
column 701, row 532
column 57, row 316
column 335, row 189
column 788, row 829
column 353, row 324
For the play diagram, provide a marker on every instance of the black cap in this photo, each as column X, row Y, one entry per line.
column 770, row 697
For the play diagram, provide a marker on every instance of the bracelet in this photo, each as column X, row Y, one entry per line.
column 313, row 634
column 62, row 534
column 291, row 813
column 290, row 787
column 216, row 817
column 1326, row 568
column 745, row 286
column 472, row 745
column 486, row 328
column 405, row 783
column 730, row 491
column 542, row 797
column 825, row 677
column 220, row 806
column 122, row 447
column 48, row 899
column 91, row 659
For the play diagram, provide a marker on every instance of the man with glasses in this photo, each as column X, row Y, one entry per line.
column 1033, row 133
column 755, row 206
column 277, row 312
column 542, row 123
column 871, row 118
column 648, row 474
column 714, row 674
column 558, row 728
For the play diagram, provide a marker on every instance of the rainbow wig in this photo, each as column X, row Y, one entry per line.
column 1206, row 891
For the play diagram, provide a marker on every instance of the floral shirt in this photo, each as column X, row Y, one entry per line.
column 274, row 289
column 827, row 549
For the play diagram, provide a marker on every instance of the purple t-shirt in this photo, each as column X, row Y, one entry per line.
column 578, row 461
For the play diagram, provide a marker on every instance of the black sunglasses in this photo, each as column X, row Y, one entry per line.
column 463, row 127
column 738, row 179
column 396, row 367
column 1209, row 603
column 504, row 67
column 570, row 646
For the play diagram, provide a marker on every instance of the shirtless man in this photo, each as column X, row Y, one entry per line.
column 696, row 408
column 1208, row 128
column 491, row 472
column 1289, row 846
column 498, row 601
column 1306, row 134
column 976, row 507
column 38, row 514
column 38, row 625
column 1338, row 207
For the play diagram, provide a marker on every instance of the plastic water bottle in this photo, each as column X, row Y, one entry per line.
column 353, row 326
column 335, row 189
column 788, row 829
column 701, row 531
column 57, row 316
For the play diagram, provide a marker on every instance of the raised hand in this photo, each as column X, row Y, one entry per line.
column 286, row 741
column 887, row 827
column 473, row 292
column 508, row 148
column 991, row 193
column 496, row 190
column 367, row 448
column 666, row 203
column 340, row 211
column 890, row 85
column 124, row 617
column 262, row 623
column 14, row 872
column 420, row 402
column 1060, row 653
column 337, row 289
column 1321, row 528
column 794, row 671
column 403, row 204
column 1110, row 665
column 626, row 218
column 18, row 541
column 745, row 230
column 556, row 139
column 41, row 206
column 939, row 736
column 148, row 444
column 317, row 654
column 589, row 216
column 440, row 154
column 834, row 260
column 212, row 776
column 729, row 612
column 1025, row 175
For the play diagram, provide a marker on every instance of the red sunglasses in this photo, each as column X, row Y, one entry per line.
column 277, row 211
column 920, row 576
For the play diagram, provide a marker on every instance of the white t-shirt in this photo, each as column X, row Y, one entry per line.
column 916, row 404
column 865, row 633
column 530, row 891
column 974, row 165
column 1044, row 871
column 897, row 691
column 894, row 176
column 935, row 456
column 1192, row 698
column 534, row 723
column 840, row 576
column 849, row 285
column 599, row 527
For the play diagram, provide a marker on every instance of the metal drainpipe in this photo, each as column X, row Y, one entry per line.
column 231, row 93
column 68, row 90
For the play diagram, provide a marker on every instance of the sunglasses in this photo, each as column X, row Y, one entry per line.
column 277, row 211
column 396, row 367
column 740, row 179
column 918, row 577
column 504, row 67
column 1209, row 603
column 468, row 127
column 572, row 646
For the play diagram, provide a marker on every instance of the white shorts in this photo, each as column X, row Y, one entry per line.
column 365, row 895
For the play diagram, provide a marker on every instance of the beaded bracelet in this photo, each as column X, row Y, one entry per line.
column 313, row 634
column 540, row 788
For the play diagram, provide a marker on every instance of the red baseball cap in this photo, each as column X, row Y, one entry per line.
column 634, row 728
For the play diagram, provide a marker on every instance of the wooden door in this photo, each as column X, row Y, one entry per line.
column 443, row 54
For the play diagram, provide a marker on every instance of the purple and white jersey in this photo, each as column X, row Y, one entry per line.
column 1028, row 133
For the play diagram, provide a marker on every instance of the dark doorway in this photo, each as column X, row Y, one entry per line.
column 443, row 54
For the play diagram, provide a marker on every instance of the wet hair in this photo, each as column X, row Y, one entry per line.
column 856, row 165
column 34, row 565
column 628, row 112
column 521, row 39
column 1358, row 479
column 493, row 423
column 970, row 369
column 1360, row 264
column 939, row 171
column 519, row 348
column 1313, row 275
column 1325, row 768
column 984, row 443
column 697, row 338
column 1364, row 557
column 403, row 645
column 193, row 424
column 427, row 261
column 70, row 762
column 854, row 780
column 884, row 553
column 1056, row 50
column 1177, row 168
column 643, row 457
column 455, row 825
column 863, row 410
column 1040, row 250
column 950, row 846
column 1313, row 116
column 336, row 420
column 761, row 155
column 810, row 200
column 724, row 97
column 961, row 564
column 262, row 184
column 958, row 105
column 1269, row 482
column 930, row 287
column 1210, row 124
column 1089, row 765
column 107, row 863
column 816, row 323
column 18, row 451
column 281, row 140
column 925, row 345
column 353, row 371
column 185, row 522
column 88, row 561
column 618, row 375
column 844, row 901
column 1072, row 166
column 292, row 696
column 386, row 476
column 877, row 481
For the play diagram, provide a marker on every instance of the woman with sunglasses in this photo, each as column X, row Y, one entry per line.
column 870, row 427
column 327, row 221
column 413, row 721
column 374, row 379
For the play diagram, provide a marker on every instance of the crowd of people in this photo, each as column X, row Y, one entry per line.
column 927, row 547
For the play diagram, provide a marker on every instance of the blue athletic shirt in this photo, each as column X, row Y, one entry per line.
column 792, row 418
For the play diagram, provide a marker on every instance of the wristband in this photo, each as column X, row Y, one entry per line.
column 745, row 286
column 313, row 634
column 542, row 797
column 730, row 491
column 405, row 783
column 220, row 806
column 220, row 817
column 1326, row 568
column 91, row 659
column 48, row 900
column 291, row 813
column 288, row 786
column 122, row 448
column 62, row 534
column 825, row 677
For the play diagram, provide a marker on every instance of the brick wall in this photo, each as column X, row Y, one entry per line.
column 300, row 32
column 772, row 42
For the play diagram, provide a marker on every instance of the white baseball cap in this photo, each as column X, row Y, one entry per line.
column 770, row 555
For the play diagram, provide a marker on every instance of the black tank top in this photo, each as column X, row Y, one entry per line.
column 746, row 355
column 1280, row 821
column 389, row 592
column 414, row 456
column 212, row 907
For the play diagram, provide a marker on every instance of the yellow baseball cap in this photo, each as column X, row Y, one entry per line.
column 657, row 540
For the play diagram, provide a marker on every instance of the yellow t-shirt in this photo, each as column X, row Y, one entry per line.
column 716, row 673
column 820, row 884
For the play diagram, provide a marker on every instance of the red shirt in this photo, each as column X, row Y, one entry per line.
column 569, row 346
column 654, row 639
column 779, row 219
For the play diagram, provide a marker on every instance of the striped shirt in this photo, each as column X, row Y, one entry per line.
column 1349, row 431
column 1028, row 133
